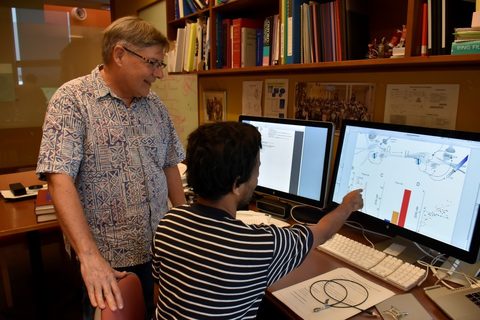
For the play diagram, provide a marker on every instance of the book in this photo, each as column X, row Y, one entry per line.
column 44, row 202
column 296, row 30
column 288, row 34
column 465, row 47
column 237, row 25
column 219, row 43
column 190, row 46
column 259, row 47
column 179, row 50
column 275, row 49
column 267, row 40
column 226, row 43
column 248, row 47
column 467, row 33
column 46, row 217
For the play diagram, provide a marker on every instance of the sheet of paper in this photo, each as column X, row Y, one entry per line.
column 180, row 95
column 252, row 98
column 300, row 300
column 276, row 97
column 426, row 105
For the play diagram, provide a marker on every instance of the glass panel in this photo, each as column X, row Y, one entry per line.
column 45, row 46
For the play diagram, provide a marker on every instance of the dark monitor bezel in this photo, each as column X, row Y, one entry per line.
column 390, row 229
column 326, row 160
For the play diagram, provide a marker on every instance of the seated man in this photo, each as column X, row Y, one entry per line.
column 206, row 263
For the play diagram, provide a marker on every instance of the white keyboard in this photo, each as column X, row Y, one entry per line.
column 402, row 275
column 253, row 217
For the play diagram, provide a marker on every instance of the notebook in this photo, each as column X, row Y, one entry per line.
column 459, row 304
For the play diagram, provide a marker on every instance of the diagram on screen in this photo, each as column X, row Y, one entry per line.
column 398, row 177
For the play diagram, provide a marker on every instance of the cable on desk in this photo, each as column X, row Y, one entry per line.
column 447, row 272
column 339, row 303
column 311, row 216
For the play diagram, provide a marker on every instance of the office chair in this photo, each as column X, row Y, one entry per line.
column 133, row 302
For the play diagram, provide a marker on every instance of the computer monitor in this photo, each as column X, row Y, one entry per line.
column 295, row 158
column 421, row 184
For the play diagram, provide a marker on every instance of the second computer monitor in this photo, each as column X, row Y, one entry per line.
column 419, row 183
column 295, row 158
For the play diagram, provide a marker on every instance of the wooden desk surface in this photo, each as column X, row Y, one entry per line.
column 18, row 216
column 318, row 262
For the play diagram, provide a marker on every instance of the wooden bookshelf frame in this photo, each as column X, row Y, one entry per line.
column 411, row 69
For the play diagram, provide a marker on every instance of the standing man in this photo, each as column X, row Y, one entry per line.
column 208, row 265
column 109, row 152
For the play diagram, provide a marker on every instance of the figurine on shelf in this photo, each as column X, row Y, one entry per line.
column 384, row 49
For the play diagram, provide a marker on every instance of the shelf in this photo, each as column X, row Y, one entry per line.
column 417, row 63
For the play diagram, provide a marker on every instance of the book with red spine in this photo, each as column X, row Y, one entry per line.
column 237, row 25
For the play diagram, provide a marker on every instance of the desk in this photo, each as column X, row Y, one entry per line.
column 17, row 217
column 318, row 262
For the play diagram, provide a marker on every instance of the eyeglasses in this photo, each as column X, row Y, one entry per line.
column 152, row 62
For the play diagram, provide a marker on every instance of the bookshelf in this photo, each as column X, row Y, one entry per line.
column 383, row 17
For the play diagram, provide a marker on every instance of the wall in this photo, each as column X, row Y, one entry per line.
column 467, row 77
column 52, row 50
column 121, row 8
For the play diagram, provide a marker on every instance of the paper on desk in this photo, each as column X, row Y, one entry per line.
column 299, row 299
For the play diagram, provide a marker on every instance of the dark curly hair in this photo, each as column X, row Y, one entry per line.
column 219, row 155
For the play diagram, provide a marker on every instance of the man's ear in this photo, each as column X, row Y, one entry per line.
column 118, row 53
column 236, row 187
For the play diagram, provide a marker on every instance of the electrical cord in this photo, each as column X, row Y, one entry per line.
column 311, row 214
column 339, row 302
column 446, row 273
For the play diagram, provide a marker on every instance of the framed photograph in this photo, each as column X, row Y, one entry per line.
column 334, row 101
column 215, row 104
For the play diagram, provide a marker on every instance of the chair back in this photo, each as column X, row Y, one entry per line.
column 133, row 302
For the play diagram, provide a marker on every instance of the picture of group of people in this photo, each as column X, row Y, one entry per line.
column 333, row 101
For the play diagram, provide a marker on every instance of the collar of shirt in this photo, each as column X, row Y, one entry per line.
column 211, row 212
column 101, row 89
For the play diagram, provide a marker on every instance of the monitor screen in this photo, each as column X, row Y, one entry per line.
column 294, row 158
column 419, row 183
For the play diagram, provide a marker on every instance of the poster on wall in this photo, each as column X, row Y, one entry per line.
column 180, row 95
column 276, row 97
column 425, row 105
column 215, row 103
column 334, row 101
column 252, row 98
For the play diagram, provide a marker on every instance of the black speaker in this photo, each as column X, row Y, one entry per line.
column 273, row 207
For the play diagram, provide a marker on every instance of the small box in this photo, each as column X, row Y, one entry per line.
column 18, row 189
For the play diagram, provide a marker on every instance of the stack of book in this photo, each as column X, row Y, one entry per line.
column 467, row 41
column 44, row 208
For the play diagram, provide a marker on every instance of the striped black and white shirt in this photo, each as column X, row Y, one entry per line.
column 211, row 266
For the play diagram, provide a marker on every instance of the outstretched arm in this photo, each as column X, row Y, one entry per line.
column 333, row 221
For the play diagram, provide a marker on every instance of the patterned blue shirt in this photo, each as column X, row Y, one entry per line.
column 116, row 156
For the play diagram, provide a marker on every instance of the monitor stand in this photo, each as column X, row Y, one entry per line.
column 401, row 248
